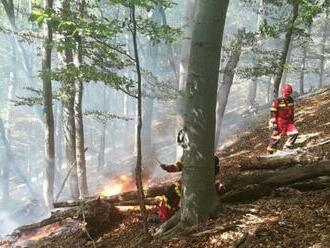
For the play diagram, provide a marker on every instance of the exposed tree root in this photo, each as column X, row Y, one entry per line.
column 172, row 222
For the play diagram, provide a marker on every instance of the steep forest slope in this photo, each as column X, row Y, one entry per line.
column 287, row 218
column 312, row 118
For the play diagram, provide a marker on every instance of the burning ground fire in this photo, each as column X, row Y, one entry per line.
column 118, row 185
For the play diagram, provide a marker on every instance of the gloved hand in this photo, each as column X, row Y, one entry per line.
column 272, row 124
column 163, row 166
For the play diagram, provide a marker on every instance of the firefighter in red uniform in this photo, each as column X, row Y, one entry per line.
column 282, row 120
column 170, row 202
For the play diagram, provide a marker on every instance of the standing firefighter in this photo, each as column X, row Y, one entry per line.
column 170, row 202
column 282, row 120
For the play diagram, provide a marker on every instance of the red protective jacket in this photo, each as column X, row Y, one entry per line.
column 282, row 112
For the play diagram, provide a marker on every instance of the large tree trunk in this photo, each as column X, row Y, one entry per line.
column 323, row 45
column 48, row 111
column 198, row 193
column 184, row 61
column 225, row 85
column 79, row 121
column 67, row 97
column 288, row 38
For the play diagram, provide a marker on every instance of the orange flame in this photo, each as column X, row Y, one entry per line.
column 118, row 185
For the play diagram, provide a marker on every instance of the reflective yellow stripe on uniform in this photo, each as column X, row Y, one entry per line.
column 273, row 109
column 177, row 188
column 290, row 104
column 165, row 200
column 283, row 105
column 276, row 137
column 270, row 149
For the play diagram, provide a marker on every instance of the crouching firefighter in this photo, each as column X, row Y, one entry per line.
column 170, row 201
column 282, row 120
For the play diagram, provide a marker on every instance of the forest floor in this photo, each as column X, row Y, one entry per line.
column 286, row 218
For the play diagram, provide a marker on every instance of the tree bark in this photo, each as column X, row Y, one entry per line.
column 303, row 65
column 183, row 68
column 58, row 144
column 67, row 97
column 138, row 169
column 69, row 228
column 288, row 37
column 198, row 193
column 253, row 85
column 48, row 111
column 227, row 81
column 255, row 184
column 288, row 61
column 11, row 161
column 323, row 45
column 79, row 121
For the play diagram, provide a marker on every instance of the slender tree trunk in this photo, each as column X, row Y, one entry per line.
column 79, row 122
column 303, row 65
column 7, row 128
column 169, row 46
column 253, row 85
column 288, row 61
column 138, row 170
column 48, row 111
column 288, row 37
column 323, row 45
column 198, row 193
column 11, row 163
column 68, row 95
column 228, row 77
column 58, row 143
column 269, row 86
column 302, row 72
column 101, row 155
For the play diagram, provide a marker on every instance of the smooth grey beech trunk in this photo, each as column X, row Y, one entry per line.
column 323, row 46
column 253, row 86
column 67, row 97
column 198, row 192
column 283, row 59
column 48, row 111
column 227, row 81
column 303, row 65
column 79, row 121
column 183, row 68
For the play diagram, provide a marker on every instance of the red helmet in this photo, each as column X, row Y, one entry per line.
column 286, row 90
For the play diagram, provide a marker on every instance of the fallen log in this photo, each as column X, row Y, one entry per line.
column 126, row 196
column 255, row 184
column 72, row 227
column 241, row 186
column 313, row 184
column 279, row 160
column 147, row 201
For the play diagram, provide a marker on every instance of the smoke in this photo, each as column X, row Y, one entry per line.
column 6, row 224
